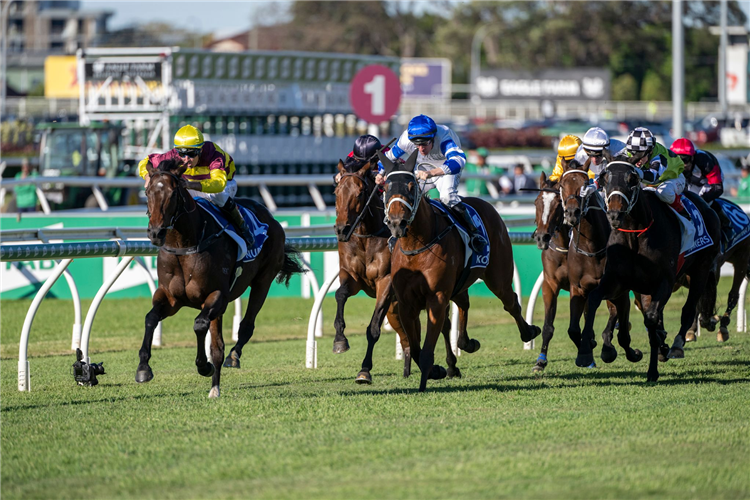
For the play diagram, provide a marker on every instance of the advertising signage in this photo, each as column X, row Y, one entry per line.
column 101, row 70
column 553, row 84
column 425, row 78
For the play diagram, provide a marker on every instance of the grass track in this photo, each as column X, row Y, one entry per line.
column 281, row 431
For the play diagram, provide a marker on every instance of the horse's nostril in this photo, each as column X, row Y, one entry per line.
column 546, row 237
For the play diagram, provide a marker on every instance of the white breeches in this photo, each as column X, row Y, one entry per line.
column 218, row 199
column 669, row 189
column 447, row 185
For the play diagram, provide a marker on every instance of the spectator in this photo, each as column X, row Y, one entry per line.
column 743, row 188
column 26, row 198
column 477, row 165
column 521, row 180
column 506, row 186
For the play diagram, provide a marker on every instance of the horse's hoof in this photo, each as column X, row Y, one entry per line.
column 585, row 360
column 531, row 333
column 609, row 354
column 663, row 354
column 214, row 392
column 437, row 373
column 143, row 375
column 340, row 346
column 473, row 346
column 634, row 355
column 722, row 335
column 407, row 373
column 363, row 377
column 232, row 361
column 690, row 336
column 454, row 372
column 207, row 371
column 539, row 366
column 652, row 377
column 676, row 353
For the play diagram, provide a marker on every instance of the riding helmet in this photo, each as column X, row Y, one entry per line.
column 568, row 147
column 640, row 139
column 421, row 129
column 683, row 146
column 188, row 137
column 365, row 147
column 595, row 139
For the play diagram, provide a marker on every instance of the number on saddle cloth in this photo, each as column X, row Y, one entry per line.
column 740, row 222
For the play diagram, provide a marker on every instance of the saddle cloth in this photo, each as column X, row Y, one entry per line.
column 259, row 229
column 740, row 223
column 472, row 259
column 694, row 234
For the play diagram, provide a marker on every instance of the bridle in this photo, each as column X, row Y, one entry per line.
column 367, row 207
column 585, row 206
column 417, row 196
column 181, row 202
column 630, row 200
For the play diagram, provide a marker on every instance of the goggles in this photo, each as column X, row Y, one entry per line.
column 595, row 154
column 189, row 152
column 420, row 141
column 686, row 159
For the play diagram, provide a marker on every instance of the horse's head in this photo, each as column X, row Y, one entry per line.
column 352, row 194
column 548, row 212
column 573, row 178
column 164, row 198
column 621, row 184
column 402, row 194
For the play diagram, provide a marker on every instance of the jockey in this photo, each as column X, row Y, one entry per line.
column 210, row 174
column 568, row 149
column 365, row 148
column 659, row 168
column 600, row 149
column 439, row 147
column 706, row 180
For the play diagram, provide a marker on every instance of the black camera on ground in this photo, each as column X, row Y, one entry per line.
column 85, row 373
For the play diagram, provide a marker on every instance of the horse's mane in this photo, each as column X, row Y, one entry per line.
column 622, row 157
column 168, row 165
column 352, row 164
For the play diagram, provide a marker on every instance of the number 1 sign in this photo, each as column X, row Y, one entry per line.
column 375, row 93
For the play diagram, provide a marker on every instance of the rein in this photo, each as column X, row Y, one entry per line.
column 631, row 201
column 432, row 243
column 358, row 220
column 585, row 206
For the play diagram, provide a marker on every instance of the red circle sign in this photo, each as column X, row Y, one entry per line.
column 375, row 93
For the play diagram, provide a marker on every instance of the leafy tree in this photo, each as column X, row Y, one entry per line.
column 625, row 88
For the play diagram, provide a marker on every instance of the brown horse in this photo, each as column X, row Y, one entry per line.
column 365, row 264
column 552, row 239
column 197, row 268
column 587, row 256
column 643, row 256
column 428, row 262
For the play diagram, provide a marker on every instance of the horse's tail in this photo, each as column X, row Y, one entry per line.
column 291, row 265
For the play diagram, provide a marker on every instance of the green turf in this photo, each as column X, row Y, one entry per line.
column 282, row 431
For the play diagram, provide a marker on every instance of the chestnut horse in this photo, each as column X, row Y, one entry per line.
column 197, row 268
column 643, row 255
column 365, row 264
column 552, row 239
column 428, row 261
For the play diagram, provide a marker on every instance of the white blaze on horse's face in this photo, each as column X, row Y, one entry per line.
column 547, row 199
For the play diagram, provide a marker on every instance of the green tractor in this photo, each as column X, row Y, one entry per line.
column 70, row 150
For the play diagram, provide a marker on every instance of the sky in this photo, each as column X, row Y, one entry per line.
column 221, row 18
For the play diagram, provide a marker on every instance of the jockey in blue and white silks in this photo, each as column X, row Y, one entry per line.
column 441, row 159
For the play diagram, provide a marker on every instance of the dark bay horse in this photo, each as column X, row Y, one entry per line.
column 428, row 261
column 643, row 256
column 587, row 255
column 197, row 268
column 365, row 264
column 552, row 237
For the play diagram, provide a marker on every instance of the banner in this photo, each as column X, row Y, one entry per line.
column 61, row 77
column 423, row 78
column 737, row 69
column 554, row 84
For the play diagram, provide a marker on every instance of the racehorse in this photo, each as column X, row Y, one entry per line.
column 197, row 268
column 738, row 256
column 428, row 262
column 587, row 255
column 643, row 255
column 365, row 264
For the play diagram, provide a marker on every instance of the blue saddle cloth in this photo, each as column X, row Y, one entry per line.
column 701, row 238
column 473, row 259
column 259, row 229
column 740, row 227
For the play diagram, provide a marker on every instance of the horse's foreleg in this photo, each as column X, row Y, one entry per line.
column 690, row 334
column 348, row 287
column 464, row 342
column 734, row 296
column 161, row 308
column 549, row 295
column 622, row 304
column 609, row 353
column 696, row 290
column 217, row 355
column 577, row 305
column 213, row 307
column 382, row 304
column 258, row 294
column 652, row 319
column 501, row 285
column 450, row 356
column 585, row 356
column 437, row 306
column 395, row 321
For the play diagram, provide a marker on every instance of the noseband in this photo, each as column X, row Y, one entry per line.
column 564, row 200
column 631, row 200
column 417, row 197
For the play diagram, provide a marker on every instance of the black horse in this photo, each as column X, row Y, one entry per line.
column 196, row 267
column 643, row 255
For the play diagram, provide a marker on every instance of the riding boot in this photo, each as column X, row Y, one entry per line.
column 476, row 240
column 233, row 214
column 679, row 207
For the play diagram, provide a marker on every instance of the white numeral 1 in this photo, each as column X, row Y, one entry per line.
column 376, row 89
